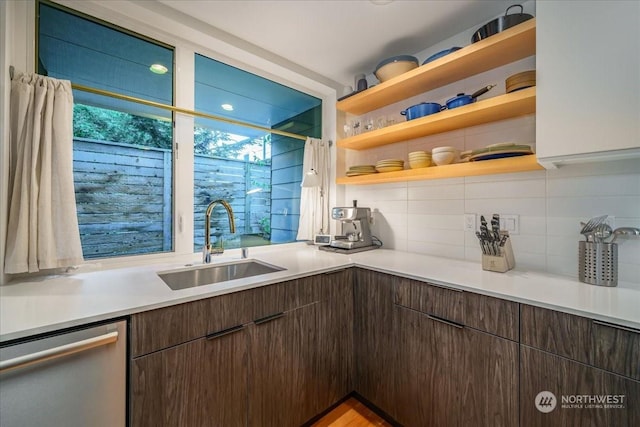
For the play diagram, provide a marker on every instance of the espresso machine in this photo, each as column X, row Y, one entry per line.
column 354, row 232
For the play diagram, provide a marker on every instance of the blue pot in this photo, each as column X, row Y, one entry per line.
column 459, row 100
column 421, row 110
column 462, row 99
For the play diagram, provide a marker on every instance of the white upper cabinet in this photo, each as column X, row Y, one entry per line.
column 588, row 81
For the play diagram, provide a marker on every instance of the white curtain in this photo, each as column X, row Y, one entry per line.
column 43, row 226
column 314, row 200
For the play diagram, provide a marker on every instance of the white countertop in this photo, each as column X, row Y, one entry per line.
column 50, row 303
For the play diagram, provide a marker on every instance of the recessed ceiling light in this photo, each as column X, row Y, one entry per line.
column 227, row 107
column 158, row 69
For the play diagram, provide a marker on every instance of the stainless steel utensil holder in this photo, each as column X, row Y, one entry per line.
column 500, row 263
column 598, row 263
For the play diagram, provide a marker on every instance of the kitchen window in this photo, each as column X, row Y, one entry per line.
column 256, row 171
column 123, row 155
column 129, row 163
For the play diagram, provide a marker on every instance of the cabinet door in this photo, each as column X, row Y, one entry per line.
column 580, row 393
column 373, row 340
column 429, row 359
column 489, row 380
column 450, row 375
column 588, row 93
column 282, row 368
column 335, row 339
column 200, row 383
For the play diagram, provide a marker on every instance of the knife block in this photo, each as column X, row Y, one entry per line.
column 500, row 263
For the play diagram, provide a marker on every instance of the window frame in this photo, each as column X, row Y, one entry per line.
column 133, row 18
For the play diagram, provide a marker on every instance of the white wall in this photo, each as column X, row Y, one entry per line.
column 428, row 216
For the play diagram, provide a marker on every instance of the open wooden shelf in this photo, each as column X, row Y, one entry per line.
column 503, row 48
column 489, row 110
column 486, row 167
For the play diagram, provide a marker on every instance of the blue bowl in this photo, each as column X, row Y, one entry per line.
column 440, row 54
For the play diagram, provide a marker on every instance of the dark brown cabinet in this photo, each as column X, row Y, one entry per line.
column 426, row 354
column 489, row 380
column 450, row 374
column 428, row 364
column 591, row 368
column 272, row 356
column 199, row 383
column 282, row 368
column 583, row 395
column 301, row 359
column 374, row 343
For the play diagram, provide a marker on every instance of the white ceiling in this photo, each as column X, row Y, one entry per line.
column 338, row 39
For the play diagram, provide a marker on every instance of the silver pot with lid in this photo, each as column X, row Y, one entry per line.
column 500, row 24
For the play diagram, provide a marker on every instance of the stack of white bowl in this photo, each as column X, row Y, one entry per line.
column 419, row 159
column 444, row 155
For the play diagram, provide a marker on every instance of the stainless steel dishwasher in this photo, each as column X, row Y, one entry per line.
column 72, row 379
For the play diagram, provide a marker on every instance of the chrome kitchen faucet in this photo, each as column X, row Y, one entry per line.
column 208, row 248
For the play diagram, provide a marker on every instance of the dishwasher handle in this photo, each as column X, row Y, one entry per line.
column 57, row 352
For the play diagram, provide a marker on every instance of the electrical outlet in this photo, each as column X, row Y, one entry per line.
column 469, row 222
column 510, row 223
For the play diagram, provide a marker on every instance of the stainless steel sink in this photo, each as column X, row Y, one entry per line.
column 209, row 274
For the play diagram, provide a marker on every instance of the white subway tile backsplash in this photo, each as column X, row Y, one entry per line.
column 586, row 207
column 535, row 244
column 531, row 261
column 439, row 222
column 433, row 192
column 436, row 249
column 536, row 225
column 505, row 189
column 436, row 207
column 564, row 226
column 434, row 235
column 530, row 206
column 508, row 177
column 589, row 186
column 565, row 265
column 428, row 216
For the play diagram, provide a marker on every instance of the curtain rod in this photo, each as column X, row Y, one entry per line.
column 177, row 109
column 184, row 111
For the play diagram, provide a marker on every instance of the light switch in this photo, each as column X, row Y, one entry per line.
column 510, row 223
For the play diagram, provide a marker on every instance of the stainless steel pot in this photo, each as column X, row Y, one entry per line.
column 501, row 23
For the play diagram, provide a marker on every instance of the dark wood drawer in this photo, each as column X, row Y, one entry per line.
column 493, row 315
column 292, row 294
column 556, row 332
column 435, row 300
column 165, row 327
column 604, row 345
column 616, row 349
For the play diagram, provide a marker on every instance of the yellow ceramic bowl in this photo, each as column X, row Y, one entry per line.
column 394, row 66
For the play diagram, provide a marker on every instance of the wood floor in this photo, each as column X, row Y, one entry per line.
column 351, row 413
